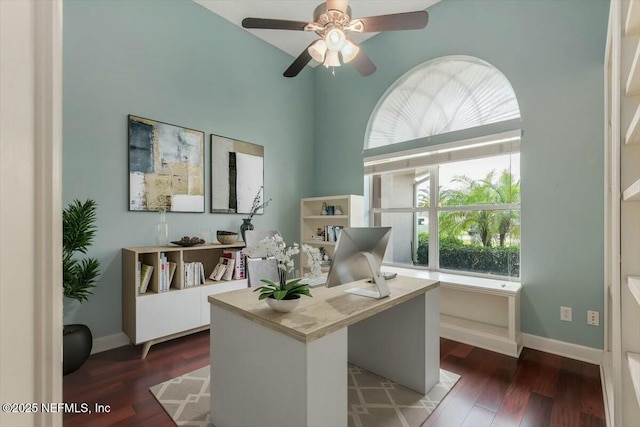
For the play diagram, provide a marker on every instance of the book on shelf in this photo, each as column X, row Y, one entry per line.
column 145, row 277
column 139, row 277
column 239, row 263
column 229, row 264
column 218, row 272
column 172, row 271
column 193, row 274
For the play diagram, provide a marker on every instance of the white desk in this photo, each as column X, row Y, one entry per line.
column 274, row 369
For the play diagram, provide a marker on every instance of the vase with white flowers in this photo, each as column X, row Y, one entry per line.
column 255, row 207
column 285, row 295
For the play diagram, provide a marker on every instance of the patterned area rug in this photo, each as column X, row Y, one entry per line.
column 373, row 401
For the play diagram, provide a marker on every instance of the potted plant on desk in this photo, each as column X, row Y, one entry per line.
column 79, row 277
column 285, row 295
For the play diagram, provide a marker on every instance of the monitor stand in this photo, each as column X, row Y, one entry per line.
column 378, row 279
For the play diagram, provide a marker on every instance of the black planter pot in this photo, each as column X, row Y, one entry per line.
column 77, row 342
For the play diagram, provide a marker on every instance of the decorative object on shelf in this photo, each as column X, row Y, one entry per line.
column 187, row 241
column 166, row 167
column 227, row 237
column 246, row 225
column 331, row 210
column 338, row 210
column 287, row 290
column 78, row 276
column 237, row 172
column 324, row 209
column 256, row 207
column 162, row 230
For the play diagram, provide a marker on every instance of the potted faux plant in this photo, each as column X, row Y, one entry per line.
column 78, row 277
column 285, row 295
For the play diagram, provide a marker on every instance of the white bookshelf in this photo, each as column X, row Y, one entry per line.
column 632, row 21
column 633, row 81
column 633, row 361
column 622, row 194
column 311, row 219
column 634, row 286
column 632, row 193
column 154, row 316
column 633, row 131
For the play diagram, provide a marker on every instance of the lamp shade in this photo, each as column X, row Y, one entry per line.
column 335, row 39
column 349, row 51
column 318, row 50
column 332, row 59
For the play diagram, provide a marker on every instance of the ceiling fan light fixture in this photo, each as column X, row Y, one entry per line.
column 331, row 59
column 335, row 39
column 318, row 50
column 349, row 51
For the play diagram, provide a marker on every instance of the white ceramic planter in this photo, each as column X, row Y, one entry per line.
column 282, row 305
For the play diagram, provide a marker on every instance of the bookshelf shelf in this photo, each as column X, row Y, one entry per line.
column 633, row 132
column 634, row 286
column 633, row 81
column 633, row 360
column 632, row 21
column 155, row 315
column 352, row 209
column 632, row 193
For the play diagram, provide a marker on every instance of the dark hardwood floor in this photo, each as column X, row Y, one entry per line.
column 536, row 390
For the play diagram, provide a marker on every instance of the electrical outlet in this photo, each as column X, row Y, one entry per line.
column 565, row 314
column 593, row 318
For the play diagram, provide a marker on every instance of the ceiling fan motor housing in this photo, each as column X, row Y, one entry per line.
column 328, row 19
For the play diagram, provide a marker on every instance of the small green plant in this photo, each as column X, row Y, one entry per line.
column 78, row 232
column 291, row 290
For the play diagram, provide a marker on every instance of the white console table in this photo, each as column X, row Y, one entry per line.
column 275, row 369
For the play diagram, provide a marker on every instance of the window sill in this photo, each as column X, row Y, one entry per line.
column 458, row 281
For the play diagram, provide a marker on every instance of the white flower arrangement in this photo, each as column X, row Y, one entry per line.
column 276, row 247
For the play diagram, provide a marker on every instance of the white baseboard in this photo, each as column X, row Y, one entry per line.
column 561, row 348
column 110, row 341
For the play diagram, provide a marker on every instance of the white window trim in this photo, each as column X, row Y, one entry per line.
column 431, row 157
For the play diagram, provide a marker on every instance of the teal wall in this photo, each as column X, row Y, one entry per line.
column 173, row 61
column 176, row 62
column 552, row 52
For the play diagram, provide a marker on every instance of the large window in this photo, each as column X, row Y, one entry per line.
column 458, row 215
column 442, row 159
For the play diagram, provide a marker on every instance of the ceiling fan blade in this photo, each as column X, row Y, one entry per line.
column 273, row 24
column 340, row 5
column 363, row 64
column 395, row 22
column 299, row 63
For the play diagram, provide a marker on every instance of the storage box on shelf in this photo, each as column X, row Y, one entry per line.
column 177, row 309
column 313, row 223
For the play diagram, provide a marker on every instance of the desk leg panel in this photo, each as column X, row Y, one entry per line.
column 261, row 377
column 401, row 343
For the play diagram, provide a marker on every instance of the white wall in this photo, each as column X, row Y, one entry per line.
column 30, row 354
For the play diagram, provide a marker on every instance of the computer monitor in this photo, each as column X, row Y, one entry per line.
column 358, row 255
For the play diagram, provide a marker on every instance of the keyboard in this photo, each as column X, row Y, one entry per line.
column 313, row 281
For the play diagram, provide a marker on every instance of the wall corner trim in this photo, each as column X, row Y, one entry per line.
column 561, row 348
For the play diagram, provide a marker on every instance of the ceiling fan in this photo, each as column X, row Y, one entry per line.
column 332, row 22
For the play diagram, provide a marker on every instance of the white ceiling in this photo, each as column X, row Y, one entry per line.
column 293, row 42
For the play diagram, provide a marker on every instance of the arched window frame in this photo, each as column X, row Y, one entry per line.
column 430, row 151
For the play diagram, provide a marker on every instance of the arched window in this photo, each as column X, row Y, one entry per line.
column 442, row 157
column 441, row 96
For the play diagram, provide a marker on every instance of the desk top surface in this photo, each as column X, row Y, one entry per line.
column 329, row 310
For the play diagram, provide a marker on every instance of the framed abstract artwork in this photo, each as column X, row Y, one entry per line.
column 237, row 175
column 166, row 167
